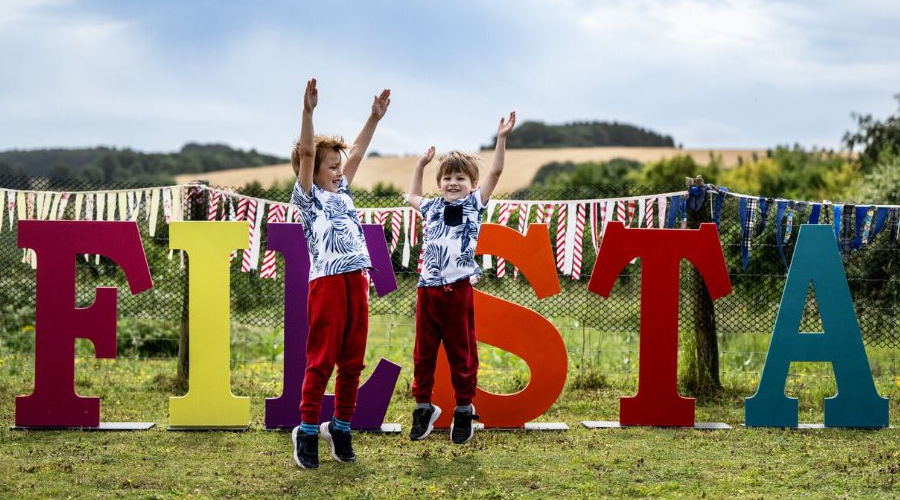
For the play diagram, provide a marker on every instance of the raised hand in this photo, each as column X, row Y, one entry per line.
column 427, row 157
column 506, row 126
column 311, row 96
column 381, row 103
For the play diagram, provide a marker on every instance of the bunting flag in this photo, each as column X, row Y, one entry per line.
column 404, row 256
column 276, row 214
column 539, row 213
column 79, row 202
column 167, row 205
column 63, row 203
column 409, row 235
column 239, row 216
column 246, row 264
column 396, row 227
column 648, row 212
column 661, row 202
column 779, row 217
column 864, row 217
column 747, row 210
column 212, row 208
column 2, row 204
column 124, row 213
column 505, row 211
column 421, row 250
column 814, row 213
column 524, row 210
column 11, row 209
column 596, row 220
column 789, row 226
column 381, row 217
column 578, row 243
column 621, row 211
column 631, row 213
column 719, row 193
column 153, row 212
column 561, row 221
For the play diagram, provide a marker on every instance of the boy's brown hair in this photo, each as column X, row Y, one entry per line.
column 323, row 143
column 459, row 162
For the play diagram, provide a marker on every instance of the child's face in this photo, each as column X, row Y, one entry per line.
column 455, row 186
column 330, row 172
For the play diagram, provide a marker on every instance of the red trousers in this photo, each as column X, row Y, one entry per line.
column 338, row 311
column 446, row 313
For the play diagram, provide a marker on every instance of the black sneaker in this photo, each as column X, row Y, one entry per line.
column 423, row 422
column 461, row 430
column 306, row 449
column 340, row 442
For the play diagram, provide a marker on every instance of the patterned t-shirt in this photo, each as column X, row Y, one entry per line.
column 333, row 232
column 451, row 231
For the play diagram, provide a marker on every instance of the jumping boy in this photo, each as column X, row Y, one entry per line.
column 338, row 304
column 444, row 307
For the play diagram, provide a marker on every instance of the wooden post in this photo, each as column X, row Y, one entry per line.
column 195, row 209
column 701, row 373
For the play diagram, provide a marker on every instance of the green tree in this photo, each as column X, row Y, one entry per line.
column 875, row 137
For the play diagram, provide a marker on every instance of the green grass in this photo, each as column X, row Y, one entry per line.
column 580, row 463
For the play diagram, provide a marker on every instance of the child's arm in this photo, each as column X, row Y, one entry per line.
column 493, row 176
column 415, row 187
column 358, row 150
column 304, row 171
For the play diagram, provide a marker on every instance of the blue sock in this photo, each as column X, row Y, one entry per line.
column 308, row 428
column 341, row 425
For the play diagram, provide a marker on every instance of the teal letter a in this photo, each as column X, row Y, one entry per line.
column 857, row 403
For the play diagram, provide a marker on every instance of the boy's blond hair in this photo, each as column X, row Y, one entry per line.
column 459, row 162
column 323, row 144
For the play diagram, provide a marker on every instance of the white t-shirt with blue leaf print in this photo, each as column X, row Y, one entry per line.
column 449, row 242
column 333, row 233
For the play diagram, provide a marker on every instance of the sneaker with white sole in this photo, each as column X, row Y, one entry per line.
column 306, row 449
column 462, row 430
column 423, row 422
column 340, row 441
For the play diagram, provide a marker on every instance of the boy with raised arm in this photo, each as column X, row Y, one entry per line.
column 444, row 308
column 338, row 304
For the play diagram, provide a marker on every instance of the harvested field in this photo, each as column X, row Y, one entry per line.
column 521, row 166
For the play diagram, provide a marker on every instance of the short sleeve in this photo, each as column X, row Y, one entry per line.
column 299, row 197
column 475, row 199
column 425, row 205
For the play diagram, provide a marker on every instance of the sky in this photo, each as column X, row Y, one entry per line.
column 153, row 76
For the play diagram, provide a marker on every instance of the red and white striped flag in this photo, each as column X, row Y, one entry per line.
column 648, row 212
column 505, row 211
column 381, row 217
column 276, row 214
column 396, row 225
column 213, row 208
column 621, row 212
column 524, row 209
column 251, row 217
column 561, row 222
column 631, row 213
column 596, row 224
column 241, row 215
column 579, row 240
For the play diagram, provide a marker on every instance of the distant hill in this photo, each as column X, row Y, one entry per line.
column 582, row 135
column 110, row 165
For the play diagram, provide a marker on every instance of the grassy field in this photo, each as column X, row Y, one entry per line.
column 580, row 463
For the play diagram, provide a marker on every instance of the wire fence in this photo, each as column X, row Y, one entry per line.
column 257, row 303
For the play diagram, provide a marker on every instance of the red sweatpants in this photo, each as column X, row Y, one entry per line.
column 446, row 313
column 338, row 311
